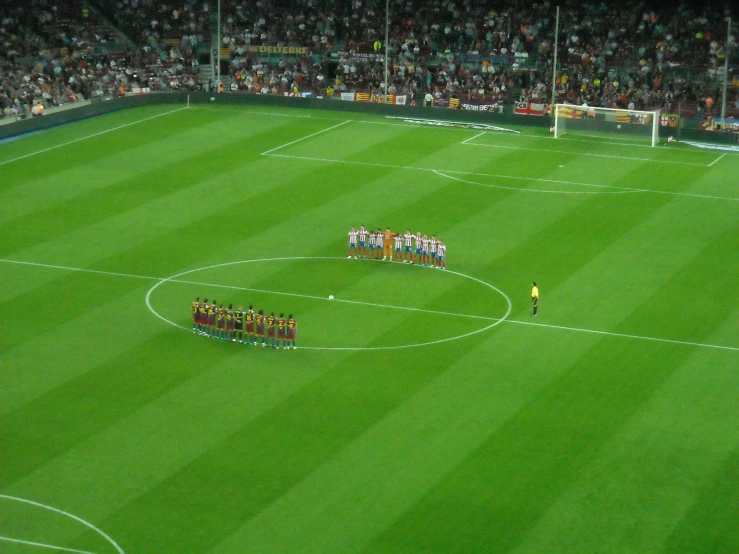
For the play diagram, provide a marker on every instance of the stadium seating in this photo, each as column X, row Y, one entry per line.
column 609, row 54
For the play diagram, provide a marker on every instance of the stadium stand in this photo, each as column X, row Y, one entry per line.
column 489, row 52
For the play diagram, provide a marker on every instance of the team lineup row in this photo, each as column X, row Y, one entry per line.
column 243, row 326
column 400, row 248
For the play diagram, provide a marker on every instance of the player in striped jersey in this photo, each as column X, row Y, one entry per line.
column 441, row 254
column 363, row 241
column 408, row 242
column 425, row 243
column 419, row 248
column 432, row 248
column 371, row 245
column 398, row 254
column 352, row 243
column 379, row 243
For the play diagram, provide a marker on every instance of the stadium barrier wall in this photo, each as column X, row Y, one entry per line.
column 29, row 125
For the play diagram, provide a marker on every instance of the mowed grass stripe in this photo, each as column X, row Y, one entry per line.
column 285, row 472
column 62, row 134
column 64, row 348
column 126, row 195
column 109, row 172
column 523, row 468
column 384, row 472
column 162, row 437
column 613, row 496
column 74, row 154
column 268, row 456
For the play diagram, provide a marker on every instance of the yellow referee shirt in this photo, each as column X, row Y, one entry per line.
column 535, row 292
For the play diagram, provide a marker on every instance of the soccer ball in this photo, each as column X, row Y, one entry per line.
column 618, row 127
column 330, row 296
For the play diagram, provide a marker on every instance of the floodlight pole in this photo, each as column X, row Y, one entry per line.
column 218, row 47
column 726, row 75
column 554, row 66
column 387, row 33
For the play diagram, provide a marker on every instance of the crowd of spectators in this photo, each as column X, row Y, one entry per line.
column 54, row 56
column 627, row 54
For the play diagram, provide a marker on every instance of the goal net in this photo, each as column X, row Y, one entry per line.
column 607, row 124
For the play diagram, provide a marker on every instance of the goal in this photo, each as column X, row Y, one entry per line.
column 629, row 126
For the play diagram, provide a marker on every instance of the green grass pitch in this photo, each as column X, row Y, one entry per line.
column 607, row 424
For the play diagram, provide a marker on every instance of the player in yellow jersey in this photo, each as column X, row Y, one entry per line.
column 195, row 314
column 211, row 330
column 292, row 331
column 535, row 298
column 203, row 316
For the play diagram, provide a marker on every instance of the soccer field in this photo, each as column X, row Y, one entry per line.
column 424, row 411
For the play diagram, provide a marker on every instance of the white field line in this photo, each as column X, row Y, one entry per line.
column 249, row 112
column 623, row 335
column 519, row 189
column 462, row 129
column 551, row 326
column 717, row 159
column 468, row 139
column 87, row 524
column 42, row 545
column 584, row 154
column 304, row 138
column 249, row 289
column 513, row 177
column 90, row 136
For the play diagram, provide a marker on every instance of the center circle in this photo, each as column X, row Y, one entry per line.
column 495, row 321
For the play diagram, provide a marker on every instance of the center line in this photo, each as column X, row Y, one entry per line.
column 512, row 321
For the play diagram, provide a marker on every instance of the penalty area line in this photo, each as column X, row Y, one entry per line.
column 305, row 137
column 717, row 159
column 44, row 545
column 90, row 136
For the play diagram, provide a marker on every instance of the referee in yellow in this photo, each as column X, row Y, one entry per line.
column 535, row 298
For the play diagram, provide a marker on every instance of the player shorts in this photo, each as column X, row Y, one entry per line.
column 398, row 249
column 238, row 325
column 407, row 248
column 249, row 326
column 211, row 319
column 418, row 251
column 440, row 257
column 281, row 333
column 230, row 325
column 270, row 331
column 291, row 334
column 260, row 329
column 352, row 245
column 433, row 254
column 221, row 324
column 361, row 244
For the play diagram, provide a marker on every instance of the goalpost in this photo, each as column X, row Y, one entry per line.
column 609, row 124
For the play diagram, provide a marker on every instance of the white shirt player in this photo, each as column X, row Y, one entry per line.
column 433, row 243
column 419, row 242
column 362, row 235
column 398, row 242
column 440, row 249
column 353, row 237
column 408, row 239
column 425, row 244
